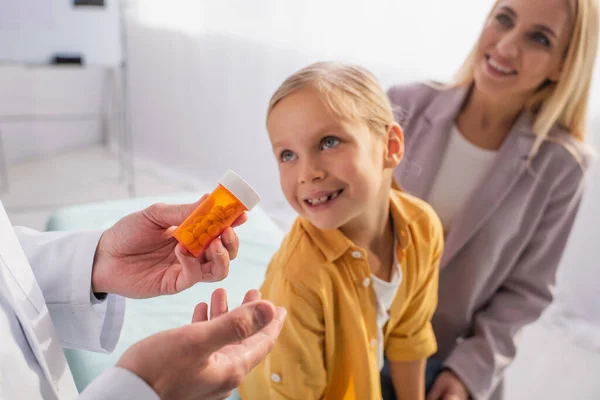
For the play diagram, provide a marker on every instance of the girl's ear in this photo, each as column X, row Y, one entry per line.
column 394, row 146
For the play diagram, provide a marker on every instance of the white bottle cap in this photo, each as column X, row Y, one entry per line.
column 240, row 189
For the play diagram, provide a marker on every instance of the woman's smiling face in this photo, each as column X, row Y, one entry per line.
column 522, row 45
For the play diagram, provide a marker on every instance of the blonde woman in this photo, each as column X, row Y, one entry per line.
column 500, row 155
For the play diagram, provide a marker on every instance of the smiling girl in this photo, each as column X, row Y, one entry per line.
column 358, row 272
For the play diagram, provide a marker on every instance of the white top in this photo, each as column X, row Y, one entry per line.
column 461, row 170
column 385, row 292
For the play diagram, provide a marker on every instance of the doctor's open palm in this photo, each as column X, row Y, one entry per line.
column 138, row 257
column 207, row 359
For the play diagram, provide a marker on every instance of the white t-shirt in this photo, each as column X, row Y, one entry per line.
column 385, row 292
column 461, row 170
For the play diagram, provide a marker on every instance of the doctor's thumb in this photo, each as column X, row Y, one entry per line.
column 166, row 215
column 239, row 324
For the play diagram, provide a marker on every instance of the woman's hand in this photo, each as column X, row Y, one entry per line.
column 448, row 386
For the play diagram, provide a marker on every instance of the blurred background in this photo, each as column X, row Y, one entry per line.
column 170, row 94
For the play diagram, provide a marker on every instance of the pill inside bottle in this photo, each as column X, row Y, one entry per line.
column 232, row 197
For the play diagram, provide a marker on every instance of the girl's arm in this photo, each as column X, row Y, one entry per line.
column 412, row 340
column 408, row 379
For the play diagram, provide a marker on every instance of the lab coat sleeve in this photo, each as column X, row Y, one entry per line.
column 118, row 384
column 62, row 265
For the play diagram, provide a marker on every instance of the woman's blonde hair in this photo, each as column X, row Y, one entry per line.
column 352, row 93
column 564, row 102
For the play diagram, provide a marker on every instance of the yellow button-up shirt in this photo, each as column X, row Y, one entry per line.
column 328, row 346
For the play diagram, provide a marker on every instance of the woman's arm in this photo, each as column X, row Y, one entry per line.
column 408, row 379
column 480, row 360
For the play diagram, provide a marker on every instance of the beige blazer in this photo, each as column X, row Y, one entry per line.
column 501, row 255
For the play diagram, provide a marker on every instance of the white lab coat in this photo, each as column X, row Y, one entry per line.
column 46, row 303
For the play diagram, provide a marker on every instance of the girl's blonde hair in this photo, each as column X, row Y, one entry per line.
column 352, row 93
column 564, row 102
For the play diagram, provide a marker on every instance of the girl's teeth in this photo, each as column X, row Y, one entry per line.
column 323, row 199
column 320, row 200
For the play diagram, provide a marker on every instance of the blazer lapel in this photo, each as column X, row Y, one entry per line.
column 427, row 142
column 425, row 147
column 509, row 166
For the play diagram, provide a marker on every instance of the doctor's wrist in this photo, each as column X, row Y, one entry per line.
column 100, row 282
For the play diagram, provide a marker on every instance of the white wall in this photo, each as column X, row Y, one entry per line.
column 202, row 73
column 31, row 32
column 26, row 90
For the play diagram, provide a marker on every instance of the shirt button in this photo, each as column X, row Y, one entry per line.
column 366, row 282
column 276, row 378
column 356, row 254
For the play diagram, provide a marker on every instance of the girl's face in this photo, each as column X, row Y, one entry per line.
column 332, row 172
column 522, row 45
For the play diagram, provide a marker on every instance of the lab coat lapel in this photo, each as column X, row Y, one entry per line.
column 427, row 142
column 32, row 312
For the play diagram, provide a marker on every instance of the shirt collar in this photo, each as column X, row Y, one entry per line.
column 334, row 244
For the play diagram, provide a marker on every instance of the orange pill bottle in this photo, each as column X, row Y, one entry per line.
column 232, row 197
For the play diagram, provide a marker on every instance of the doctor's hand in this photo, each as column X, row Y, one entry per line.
column 138, row 257
column 207, row 359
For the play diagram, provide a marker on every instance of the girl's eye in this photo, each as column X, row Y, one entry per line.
column 540, row 38
column 329, row 142
column 287, row 156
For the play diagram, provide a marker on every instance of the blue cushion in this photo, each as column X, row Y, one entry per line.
column 259, row 239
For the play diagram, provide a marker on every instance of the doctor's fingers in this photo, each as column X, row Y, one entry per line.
column 212, row 266
column 219, row 303
column 252, row 295
column 251, row 351
column 237, row 325
column 168, row 215
column 200, row 313
column 231, row 242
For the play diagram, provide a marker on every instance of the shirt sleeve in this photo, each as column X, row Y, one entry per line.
column 413, row 338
